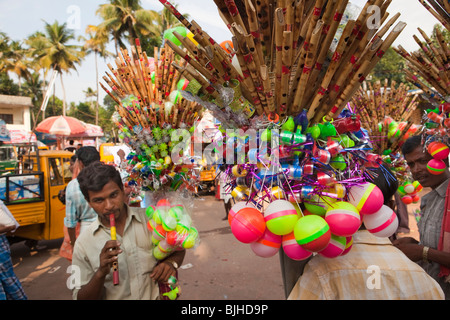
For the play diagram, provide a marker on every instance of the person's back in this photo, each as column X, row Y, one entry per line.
column 373, row 270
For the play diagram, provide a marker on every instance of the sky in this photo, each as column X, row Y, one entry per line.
column 20, row 18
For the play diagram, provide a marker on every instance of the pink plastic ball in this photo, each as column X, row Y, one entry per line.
column 235, row 208
column 267, row 246
column 436, row 167
column 348, row 245
column 292, row 249
column 335, row 248
column 383, row 223
column 367, row 198
column 343, row 219
column 248, row 225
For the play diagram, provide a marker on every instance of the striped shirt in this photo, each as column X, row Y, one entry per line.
column 432, row 208
column 77, row 208
column 373, row 270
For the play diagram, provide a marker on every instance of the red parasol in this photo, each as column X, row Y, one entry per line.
column 61, row 126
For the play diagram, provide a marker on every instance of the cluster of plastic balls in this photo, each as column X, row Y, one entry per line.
column 315, row 196
column 409, row 192
column 301, row 233
column 171, row 228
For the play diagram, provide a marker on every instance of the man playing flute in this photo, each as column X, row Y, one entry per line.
column 95, row 252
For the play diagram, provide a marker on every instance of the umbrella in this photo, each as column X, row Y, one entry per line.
column 61, row 126
column 91, row 131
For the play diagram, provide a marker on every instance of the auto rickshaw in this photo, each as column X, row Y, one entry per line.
column 31, row 194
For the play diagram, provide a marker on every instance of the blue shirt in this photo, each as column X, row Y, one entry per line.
column 77, row 208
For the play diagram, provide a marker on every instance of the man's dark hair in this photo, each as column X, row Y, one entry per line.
column 95, row 176
column 411, row 144
column 384, row 179
column 87, row 155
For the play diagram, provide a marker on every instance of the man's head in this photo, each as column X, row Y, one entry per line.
column 417, row 159
column 87, row 155
column 102, row 188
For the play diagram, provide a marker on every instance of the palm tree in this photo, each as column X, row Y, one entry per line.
column 126, row 18
column 57, row 54
column 14, row 59
column 98, row 39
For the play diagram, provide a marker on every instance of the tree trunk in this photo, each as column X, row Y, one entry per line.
column 64, row 95
column 96, row 81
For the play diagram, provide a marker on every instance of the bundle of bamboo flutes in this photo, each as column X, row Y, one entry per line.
column 380, row 103
column 440, row 9
column 431, row 63
column 283, row 50
column 133, row 76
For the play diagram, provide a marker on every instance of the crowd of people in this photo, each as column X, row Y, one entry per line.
column 409, row 269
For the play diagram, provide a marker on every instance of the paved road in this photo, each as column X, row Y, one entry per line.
column 219, row 268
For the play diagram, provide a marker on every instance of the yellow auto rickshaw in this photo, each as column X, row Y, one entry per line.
column 31, row 194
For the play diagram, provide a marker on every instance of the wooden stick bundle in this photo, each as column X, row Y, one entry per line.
column 283, row 49
column 375, row 104
column 432, row 64
column 132, row 76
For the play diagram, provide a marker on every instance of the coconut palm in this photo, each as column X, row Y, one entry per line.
column 56, row 52
column 14, row 59
column 96, row 43
column 126, row 18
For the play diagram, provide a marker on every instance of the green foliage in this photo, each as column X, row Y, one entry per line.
column 390, row 67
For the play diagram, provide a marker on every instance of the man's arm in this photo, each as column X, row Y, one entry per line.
column 415, row 252
column 93, row 290
column 162, row 271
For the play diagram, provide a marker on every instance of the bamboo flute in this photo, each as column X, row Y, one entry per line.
column 364, row 71
column 340, row 7
column 331, row 69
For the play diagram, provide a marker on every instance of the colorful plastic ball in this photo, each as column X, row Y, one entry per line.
column 280, row 217
column 416, row 198
column 164, row 246
column 348, row 245
column 158, row 254
column 182, row 84
column 417, row 186
column 168, row 220
column 338, row 162
column 267, row 246
column 151, row 224
column 168, row 34
column 382, row 223
column 159, row 233
column 149, row 211
column 191, row 239
column 343, row 218
column 235, row 208
column 177, row 211
column 407, row 199
column 318, row 204
column 439, row 151
column 409, row 187
column 248, row 225
column 172, row 238
column 312, row 233
column 292, row 249
column 335, row 248
column 436, row 167
column 163, row 203
column 367, row 198
column 227, row 45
